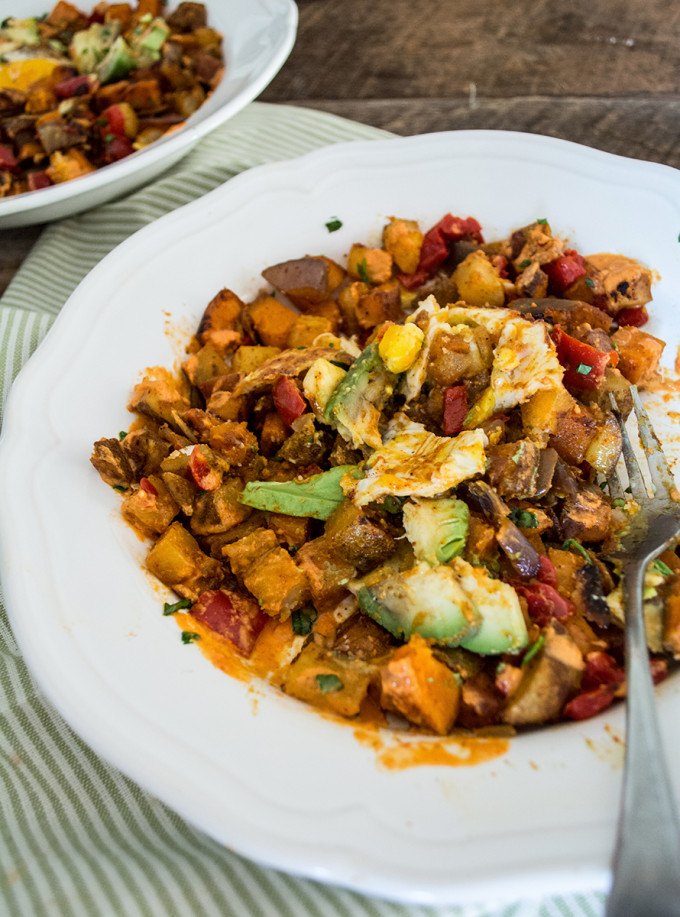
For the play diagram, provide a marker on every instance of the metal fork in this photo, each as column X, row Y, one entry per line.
column 646, row 863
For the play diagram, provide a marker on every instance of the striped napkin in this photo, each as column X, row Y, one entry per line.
column 76, row 837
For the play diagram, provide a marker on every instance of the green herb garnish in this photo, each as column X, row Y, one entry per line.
column 523, row 518
column 590, row 282
column 188, row 636
column 302, row 621
column 583, row 369
column 122, row 434
column 662, row 568
column 119, row 487
column 329, row 684
column 533, row 650
column 314, row 498
column 542, row 222
column 392, row 504
column 108, row 138
column 571, row 544
column 525, row 263
column 362, row 271
column 170, row 609
column 334, row 224
column 618, row 502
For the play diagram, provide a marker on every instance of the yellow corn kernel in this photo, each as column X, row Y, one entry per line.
column 399, row 346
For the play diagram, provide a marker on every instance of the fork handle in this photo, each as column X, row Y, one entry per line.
column 646, row 866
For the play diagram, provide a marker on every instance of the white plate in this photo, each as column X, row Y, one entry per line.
column 258, row 37
column 259, row 771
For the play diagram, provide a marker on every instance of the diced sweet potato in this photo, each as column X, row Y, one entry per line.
column 233, row 442
column 305, row 281
column 205, row 365
column 227, row 406
column 151, row 508
column 587, row 515
column 548, row 681
column 274, row 433
column 246, row 551
column 403, row 240
column 327, row 571
column 144, row 96
column 639, row 353
column 223, row 313
column 575, row 431
column 424, row 690
column 271, row 320
column 361, row 638
column 372, row 265
column 305, row 328
column 348, row 301
column 328, row 681
column 158, row 397
column 183, row 491
column 68, row 165
column 177, row 561
column 543, row 410
column 328, row 310
column 277, row 583
column 248, row 358
column 291, row 530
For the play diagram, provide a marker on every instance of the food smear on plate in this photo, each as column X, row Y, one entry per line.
column 79, row 91
column 380, row 484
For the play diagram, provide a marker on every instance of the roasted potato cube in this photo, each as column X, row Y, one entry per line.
column 327, row 572
column 221, row 319
column 348, row 301
column 478, row 281
column 183, row 491
column 381, row 304
column 543, row 410
column 291, row 530
column 246, row 551
column 618, row 282
column 424, row 690
column 328, row 681
column 359, row 540
column 453, row 357
column 403, row 240
column 177, row 561
column 307, row 327
column 372, row 265
column 587, row 515
column 548, row 681
column 157, row 396
column 305, row 281
column 151, row 508
column 249, row 357
column 227, row 406
column 575, row 432
column 277, row 583
column 639, row 354
column 112, row 463
column 233, row 442
column 219, row 510
column 205, row 365
column 274, row 433
column 328, row 310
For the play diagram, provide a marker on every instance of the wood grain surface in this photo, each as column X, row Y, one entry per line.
column 606, row 74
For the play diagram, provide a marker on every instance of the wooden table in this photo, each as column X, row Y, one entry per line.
column 604, row 73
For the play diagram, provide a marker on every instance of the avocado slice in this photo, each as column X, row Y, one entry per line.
column 354, row 407
column 437, row 528
column 502, row 627
column 423, row 600
column 119, row 61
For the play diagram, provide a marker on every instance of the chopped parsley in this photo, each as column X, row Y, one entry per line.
column 302, row 621
column 618, row 502
column 589, row 282
column 108, row 138
column 362, row 271
column 584, row 369
column 329, row 684
column 333, row 224
column 571, row 544
column 525, row 263
column 662, row 568
column 170, row 609
column 533, row 650
column 122, row 434
column 188, row 636
column 542, row 222
column 523, row 518
column 119, row 487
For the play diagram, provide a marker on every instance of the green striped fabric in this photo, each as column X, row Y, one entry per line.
column 76, row 837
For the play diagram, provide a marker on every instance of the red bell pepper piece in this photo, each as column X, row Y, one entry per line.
column 635, row 317
column 602, row 669
column 547, row 573
column 288, row 401
column 438, row 240
column 8, row 160
column 234, row 616
column 589, row 703
column 565, row 270
column 148, row 488
column 204, row 476
column 584, row 365
column 413, row 281
column 117, row 148
column 38, row 180
column 501, row 263
column 76, row 86
column 455, row 409
column 544, row 602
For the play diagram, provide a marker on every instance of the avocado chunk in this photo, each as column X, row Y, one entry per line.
column 437, row 529
column 502, row 628
column 355, row 405
column 423, row 600
column 90, row 46
column 119, row 61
